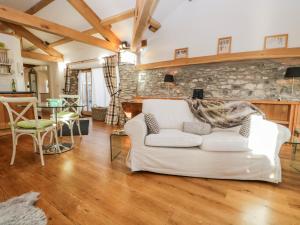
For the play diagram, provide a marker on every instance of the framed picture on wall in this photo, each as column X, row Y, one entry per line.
column 276, row 41
column 224, row 45
column 181, row 53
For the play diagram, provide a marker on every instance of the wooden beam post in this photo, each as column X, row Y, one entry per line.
column 38, row 6
column 18, row 17
column 105, row 22
column 22, row 32
column 143, row 12
column 87, row 13
column 42, row 57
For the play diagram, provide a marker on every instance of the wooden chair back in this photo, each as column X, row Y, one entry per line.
column 26, row 103
column 70, row 101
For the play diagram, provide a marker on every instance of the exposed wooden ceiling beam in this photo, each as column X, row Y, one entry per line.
column 67, row 40
column 22, row 32
column 143, row 12
column 105, row 22
column 87, row 13
column 38, row 6
column 18, row 17
column 42, row 57
column 118, row 17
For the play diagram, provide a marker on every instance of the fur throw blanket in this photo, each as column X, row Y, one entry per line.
column 222, row 114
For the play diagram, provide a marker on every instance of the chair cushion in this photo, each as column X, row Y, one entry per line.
column 173, row 138
column 225, row 141
column 66, row 114
column 30, row 124
column 170, row 114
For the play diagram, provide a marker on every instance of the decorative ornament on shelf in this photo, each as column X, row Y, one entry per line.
column 276, row 41
column 13, row 85
column 181, row 53
column 224, row 45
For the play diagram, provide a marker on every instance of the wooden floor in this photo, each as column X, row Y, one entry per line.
column 83, row 187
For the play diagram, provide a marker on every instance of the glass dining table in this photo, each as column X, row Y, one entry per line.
column 55, row 108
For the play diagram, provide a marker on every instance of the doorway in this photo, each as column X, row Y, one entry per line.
column 85, row 90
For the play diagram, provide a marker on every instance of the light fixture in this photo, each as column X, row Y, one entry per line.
column 124, row 45
column 144, row 44
column 169, row 81
column 292, row 72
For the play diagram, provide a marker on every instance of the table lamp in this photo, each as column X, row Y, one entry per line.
column 169, row 80
column 198, row 94
column 292, row 72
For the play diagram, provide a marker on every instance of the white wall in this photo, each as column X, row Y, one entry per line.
column 199, row 23
column 56, row 79
column 14, row 54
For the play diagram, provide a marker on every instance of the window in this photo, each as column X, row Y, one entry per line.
column 92, row 89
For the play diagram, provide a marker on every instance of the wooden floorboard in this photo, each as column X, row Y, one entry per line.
column 83, row 187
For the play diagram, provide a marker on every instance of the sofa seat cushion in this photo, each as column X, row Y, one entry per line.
column 225, row 141
column 173, row 138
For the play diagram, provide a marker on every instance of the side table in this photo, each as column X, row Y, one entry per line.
column 118, row 141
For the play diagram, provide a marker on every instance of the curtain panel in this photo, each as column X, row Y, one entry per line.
column 115, row 114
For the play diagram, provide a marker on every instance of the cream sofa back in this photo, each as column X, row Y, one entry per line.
column 170, row 114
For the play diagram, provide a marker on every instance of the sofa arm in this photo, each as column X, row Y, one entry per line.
column 267, row 137
column 136, row 129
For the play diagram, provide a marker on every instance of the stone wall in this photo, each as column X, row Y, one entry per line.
column 252, row 79
column 73, row 80
column 128, row 81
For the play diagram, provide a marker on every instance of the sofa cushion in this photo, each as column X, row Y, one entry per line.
column 199, row 128
column 152, row 124
column 170, row 114
column 225, row 141
column 173, row 138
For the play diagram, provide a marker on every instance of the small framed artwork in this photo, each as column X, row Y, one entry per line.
column 276, row 41
column 181, row 53
column 224, row 45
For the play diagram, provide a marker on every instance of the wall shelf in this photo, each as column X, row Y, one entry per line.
column 239, row 56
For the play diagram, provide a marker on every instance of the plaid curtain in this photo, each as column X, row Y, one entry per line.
column 115, row 114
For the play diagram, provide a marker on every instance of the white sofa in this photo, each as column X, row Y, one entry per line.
column 223, row 154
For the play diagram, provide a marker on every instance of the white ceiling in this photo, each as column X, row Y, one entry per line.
column 61, row 12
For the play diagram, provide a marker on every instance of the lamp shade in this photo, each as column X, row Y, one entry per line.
column 169, row 78
column 198, row 94
column 292, row 72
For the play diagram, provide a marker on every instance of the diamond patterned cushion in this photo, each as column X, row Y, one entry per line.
column 30, row 124
column 245, row 128
column 152, row 124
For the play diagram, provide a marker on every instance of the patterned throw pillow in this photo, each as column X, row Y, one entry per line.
column 245, row 128
column 199, row 128
column 246, row 124
column 152, row 124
